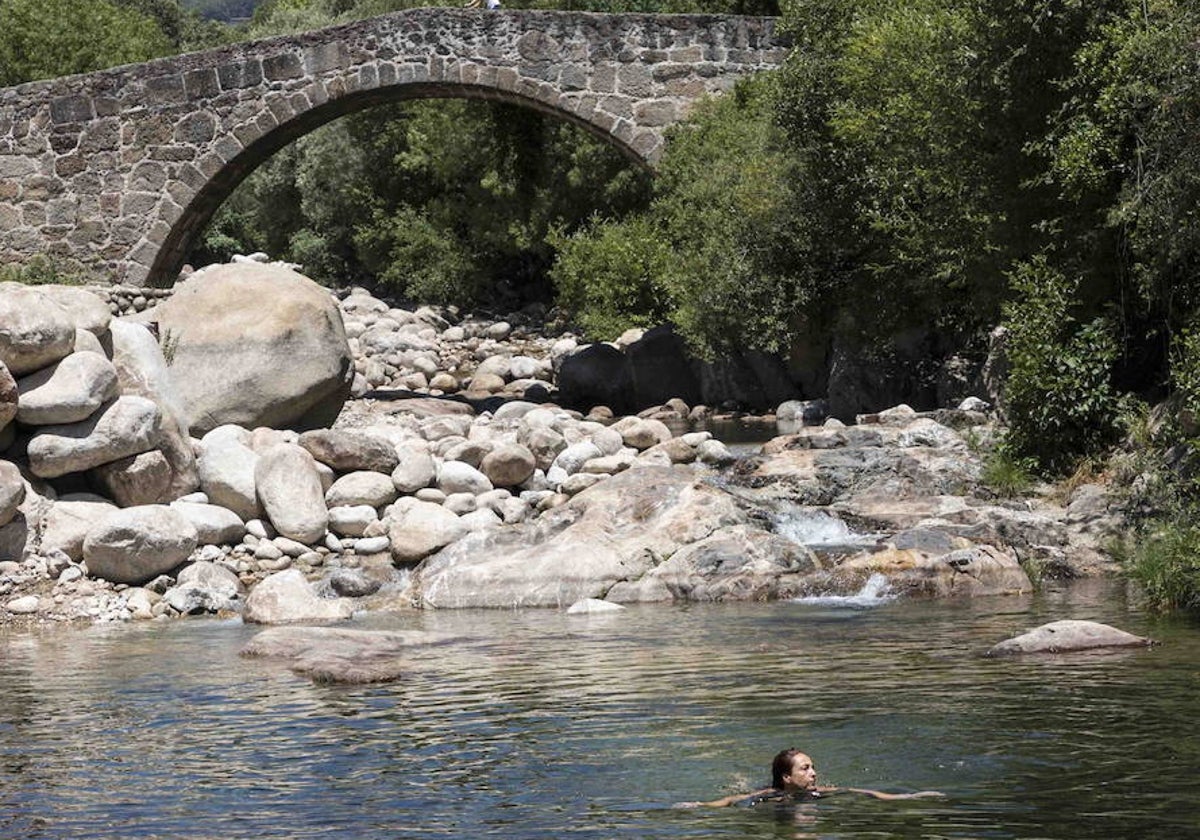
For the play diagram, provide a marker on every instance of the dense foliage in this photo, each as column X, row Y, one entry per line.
column 41, row 39
column 223, row 10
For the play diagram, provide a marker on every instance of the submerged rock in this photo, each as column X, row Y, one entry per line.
column 1068, row 635
column 591, row 606
column 336, row 655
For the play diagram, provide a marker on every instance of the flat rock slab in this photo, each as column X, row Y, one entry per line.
column 1067, row 636
column 336, row 655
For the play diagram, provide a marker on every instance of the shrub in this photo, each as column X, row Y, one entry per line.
column 1062, row 405
column 1005, row 474
column 610, row 275
column 1166, row 563
column 45, row 271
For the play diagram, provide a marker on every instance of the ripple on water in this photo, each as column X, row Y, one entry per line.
column 547, row 725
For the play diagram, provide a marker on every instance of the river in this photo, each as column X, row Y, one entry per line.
column 547, row 725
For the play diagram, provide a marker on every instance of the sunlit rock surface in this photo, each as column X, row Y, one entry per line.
column 1068, row 635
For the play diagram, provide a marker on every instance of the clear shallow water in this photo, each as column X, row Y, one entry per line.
column 544, row 725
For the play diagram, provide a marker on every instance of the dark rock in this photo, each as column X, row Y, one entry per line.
column 351, row 583
column 595, row 375
column 659, row 369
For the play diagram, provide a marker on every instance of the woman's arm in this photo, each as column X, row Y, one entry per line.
column 878, row 794
column 726, row 801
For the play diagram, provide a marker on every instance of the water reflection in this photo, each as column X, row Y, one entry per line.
column 543, row 724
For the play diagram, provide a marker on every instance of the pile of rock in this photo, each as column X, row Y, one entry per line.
column 118, row 468
column 125, row 299
column 437, row 352
column 179, row 461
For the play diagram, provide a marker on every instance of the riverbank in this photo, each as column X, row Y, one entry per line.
column 446, row 480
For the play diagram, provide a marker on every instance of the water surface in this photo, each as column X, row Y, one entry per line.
column 544, row 725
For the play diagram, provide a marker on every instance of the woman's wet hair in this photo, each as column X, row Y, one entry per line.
column 782, row 766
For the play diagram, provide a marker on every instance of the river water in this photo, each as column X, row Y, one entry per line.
column 546, row 725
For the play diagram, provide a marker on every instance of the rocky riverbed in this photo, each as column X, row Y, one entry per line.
column 251, row 444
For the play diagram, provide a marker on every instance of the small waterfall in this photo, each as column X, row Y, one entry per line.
column 818, row 529
column 812, row 527
column 875, row 591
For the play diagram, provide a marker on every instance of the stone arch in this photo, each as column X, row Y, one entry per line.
column 118, row 170
column 193, row 208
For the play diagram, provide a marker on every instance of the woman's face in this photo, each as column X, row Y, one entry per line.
column 803, row 775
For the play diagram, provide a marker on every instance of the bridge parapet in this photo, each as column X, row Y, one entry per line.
column 122, row 168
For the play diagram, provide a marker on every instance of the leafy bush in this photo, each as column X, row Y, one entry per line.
column 1059, row 394
column 41, row 39
column 1005, row 474
column 611, row 274
column 417, row 259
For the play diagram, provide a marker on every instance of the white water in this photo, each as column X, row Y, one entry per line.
column 875, row 591
column 813, row 527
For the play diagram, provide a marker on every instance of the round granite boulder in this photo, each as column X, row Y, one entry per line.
column 255, row 345
column 136, row 544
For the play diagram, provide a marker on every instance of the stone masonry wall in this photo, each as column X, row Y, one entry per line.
column 121, row 169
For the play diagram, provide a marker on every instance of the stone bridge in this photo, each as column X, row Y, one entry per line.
column 121, row 169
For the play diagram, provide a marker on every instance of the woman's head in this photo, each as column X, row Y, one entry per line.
column 792, row 770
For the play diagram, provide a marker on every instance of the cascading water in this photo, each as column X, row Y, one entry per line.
column 812, row 527
column 818, row 529
column 826, row 534
column 876, row 591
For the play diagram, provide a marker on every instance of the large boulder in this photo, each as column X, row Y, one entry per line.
column 659, row 369
column 12, row 491
column 287, row 596
column 255, row 345
column 864, row 379
column 1066, row 636
column 226, row 467
column 143, row 479
column 291, row 493
column 597, row 374
column 126, row 426
column 750, row 379
column 348, row 451
column 615, row 531
column 9, row 396
column 736, row 563
column 416, row 529
column 34, row 330
column 214, row 524
column 85, row 309
column 142, row 371
column 67, row 523
column 136, row 544
column 67, row 391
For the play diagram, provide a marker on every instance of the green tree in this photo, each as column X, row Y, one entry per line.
column 185, row 29
column 42, row 39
